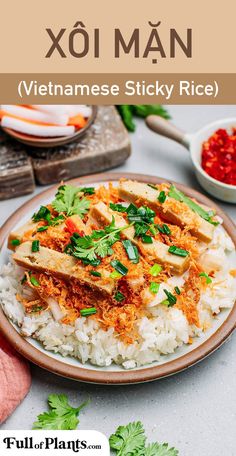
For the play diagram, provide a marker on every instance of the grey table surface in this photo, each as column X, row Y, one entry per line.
column 194, row 410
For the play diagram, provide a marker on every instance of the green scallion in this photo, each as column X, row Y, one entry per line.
column 118, row 207
column 119, row 267
column 154, row 287
column 177, row 290
column 95, row 273
column 119, row 297
column 42, row 228
column 87, row 312
column 164, row 229
column 35, row 246
column 34, row 281
column 131, row 250
column 170, row 297
column 146, row 239
column 177, row 251
column 155, row 270
column 115, row 275
column 15, row 242
column 208, row 279
column 161, row 197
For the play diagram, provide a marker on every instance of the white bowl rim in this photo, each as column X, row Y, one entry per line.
column 190, row 137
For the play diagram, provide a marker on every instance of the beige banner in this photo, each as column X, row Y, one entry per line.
column 117, row 89
column 24, row 41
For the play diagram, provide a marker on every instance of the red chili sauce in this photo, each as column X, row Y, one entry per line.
column 219, row 156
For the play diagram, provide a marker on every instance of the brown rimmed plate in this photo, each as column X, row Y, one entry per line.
column 70, row 368
column 40, row 142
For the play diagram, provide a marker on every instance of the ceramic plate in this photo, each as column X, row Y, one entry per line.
column 183, row 358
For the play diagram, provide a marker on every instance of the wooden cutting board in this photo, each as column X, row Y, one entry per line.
column 105, row 145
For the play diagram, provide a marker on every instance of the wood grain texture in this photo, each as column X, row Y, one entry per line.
column 118, row 377
column 16, row 173
column 105, row 145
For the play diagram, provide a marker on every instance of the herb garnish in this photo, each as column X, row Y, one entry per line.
column 130, row 440
column 95, row 273
column 88, row 312
column 208, row 279
column 154, row 287
column 15, row 242
column 131, row 250
column 177, row 291
column 142, row 217
column 45, row 215
column 178, row 251
column 170, row 298
column 70, row 202
column 87, row 190
column 155, row 269
column 164, row 229
column 35, row 245
column 61, row 415
column 119, row 297
column 147, row 239
column 118, row 207
column 115, row 275
column 179, row 196
column 98, row 244
column 161, row 197
column 34, row 281
column 119, row 267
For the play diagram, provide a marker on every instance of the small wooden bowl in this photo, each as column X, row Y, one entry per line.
column 37, row 141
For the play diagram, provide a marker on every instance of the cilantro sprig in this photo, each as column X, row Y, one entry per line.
column 61, row 416
column 130, row 440
column 97, row 245
column 69, row 200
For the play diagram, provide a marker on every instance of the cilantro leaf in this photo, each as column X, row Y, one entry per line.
column 156, row 449
column 69, row 201
column 61, row 415
column 98, row 244
column 129, row 440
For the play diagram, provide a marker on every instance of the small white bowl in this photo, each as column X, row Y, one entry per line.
column 193, row 142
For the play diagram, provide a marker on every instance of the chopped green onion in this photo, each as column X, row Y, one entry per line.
column 42, row 228
column 152, row 186
column 165, row 303
column 15, row 242
column 34, row 281
column 146, row 239
column 177, row 290
column 121, row 268
column 154, row 287
column 87, row 312
column 119, row 297
column 132, row 209
column 161, row 197
column 131, row 251
column 164, row 229
column 155, row 270
column 118, row 207
column 115, row 275
column 177, row 251
column 35, row 246
column 36, row 309
column 179, row 196
column 208, row 279
column 95, row 273
column 43, row 214
column 170, row 297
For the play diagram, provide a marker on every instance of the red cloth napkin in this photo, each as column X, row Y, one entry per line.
column 15, row 379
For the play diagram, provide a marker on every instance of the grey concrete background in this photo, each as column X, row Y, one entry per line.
column 194, row 410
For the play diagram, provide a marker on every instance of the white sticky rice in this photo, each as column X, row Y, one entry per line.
column 161, row 333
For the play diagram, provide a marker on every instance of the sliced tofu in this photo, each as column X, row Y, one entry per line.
column 59, row 264
column 140, row 193
column 18, row 233
column 157, row 250
column 32, row 226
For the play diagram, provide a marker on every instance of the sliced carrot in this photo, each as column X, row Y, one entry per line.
column 78, row 121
